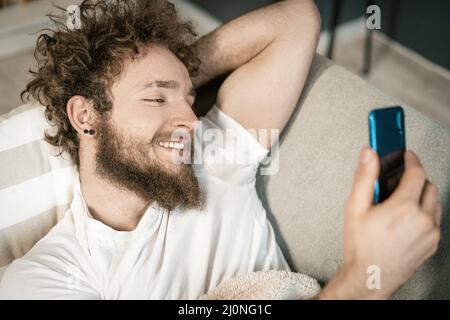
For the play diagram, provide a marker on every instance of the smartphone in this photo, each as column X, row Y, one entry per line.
column 387, row 138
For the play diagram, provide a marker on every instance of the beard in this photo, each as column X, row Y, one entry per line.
column 126, row 163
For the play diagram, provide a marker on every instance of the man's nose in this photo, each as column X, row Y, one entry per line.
column 184, row 118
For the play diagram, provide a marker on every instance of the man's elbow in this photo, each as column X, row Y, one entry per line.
column 312, row 20
column 316, row 20
column 304, row 20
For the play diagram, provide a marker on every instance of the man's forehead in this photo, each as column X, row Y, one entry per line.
column 152, row 66
column 147, row 73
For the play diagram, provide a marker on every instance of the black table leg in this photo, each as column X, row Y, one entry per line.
column 367, row 46
column 335, row 14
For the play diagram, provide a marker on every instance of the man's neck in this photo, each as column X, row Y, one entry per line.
column 118, row 208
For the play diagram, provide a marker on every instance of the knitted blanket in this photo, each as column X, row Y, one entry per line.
column 266, row 285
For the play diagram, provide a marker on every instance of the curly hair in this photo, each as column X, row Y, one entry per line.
column 86, row 61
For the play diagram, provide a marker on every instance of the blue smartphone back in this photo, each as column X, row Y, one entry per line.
column 387, row 138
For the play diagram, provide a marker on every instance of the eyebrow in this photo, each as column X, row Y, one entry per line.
column 170, row 84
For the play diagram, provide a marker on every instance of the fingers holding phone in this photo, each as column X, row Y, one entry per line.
column 397, row 235
column 391, row 224
column 415, row 186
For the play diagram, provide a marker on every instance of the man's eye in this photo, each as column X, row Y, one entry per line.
column 158, row 100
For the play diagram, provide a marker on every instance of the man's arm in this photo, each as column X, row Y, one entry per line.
column 269, row 52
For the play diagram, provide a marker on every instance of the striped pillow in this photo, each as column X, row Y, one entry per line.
column 35, row 186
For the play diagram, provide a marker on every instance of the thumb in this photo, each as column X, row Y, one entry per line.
column 366, row 174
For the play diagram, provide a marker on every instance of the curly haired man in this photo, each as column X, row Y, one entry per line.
column 144, row 226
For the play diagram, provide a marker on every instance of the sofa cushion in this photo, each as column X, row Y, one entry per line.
column 35, row 186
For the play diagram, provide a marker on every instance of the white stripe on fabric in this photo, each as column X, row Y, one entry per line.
column 22, row 128
column 2, row 271
column 36, row 195
column 23, row 108
column 29, row 161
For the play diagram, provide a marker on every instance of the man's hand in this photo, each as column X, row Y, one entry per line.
column 397, row 236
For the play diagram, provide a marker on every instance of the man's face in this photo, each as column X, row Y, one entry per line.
column 152, row 99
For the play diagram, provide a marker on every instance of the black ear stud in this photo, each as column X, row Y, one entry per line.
column 90, row 131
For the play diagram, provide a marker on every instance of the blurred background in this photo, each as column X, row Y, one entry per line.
column 408, row 58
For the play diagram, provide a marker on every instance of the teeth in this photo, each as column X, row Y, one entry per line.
column 178, row 145
column 174, row 145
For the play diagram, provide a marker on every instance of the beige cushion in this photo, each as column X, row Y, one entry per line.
column 35, row 186
column 318, row 154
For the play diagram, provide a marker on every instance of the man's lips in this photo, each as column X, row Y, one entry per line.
column 174, row 141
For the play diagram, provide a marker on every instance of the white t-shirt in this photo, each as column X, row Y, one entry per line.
column 177, row 255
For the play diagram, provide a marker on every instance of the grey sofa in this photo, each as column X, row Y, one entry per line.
column 318, row 154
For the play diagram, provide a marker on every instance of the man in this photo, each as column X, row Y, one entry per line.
column 142, row 225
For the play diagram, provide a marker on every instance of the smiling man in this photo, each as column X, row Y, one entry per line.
column 144, row 226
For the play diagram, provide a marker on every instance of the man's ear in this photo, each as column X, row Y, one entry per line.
column 81, row 113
